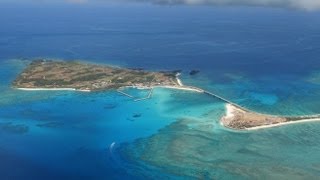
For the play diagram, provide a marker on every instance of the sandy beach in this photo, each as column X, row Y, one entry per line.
column 178, row 87
column 179, row 80
column 184, row 88
column 52, row 89
column 230, row 113
column 282, row 124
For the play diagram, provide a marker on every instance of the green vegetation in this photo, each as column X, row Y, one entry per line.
column 71, row 74
column 89, row 77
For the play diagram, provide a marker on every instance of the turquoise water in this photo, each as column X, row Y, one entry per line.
column 203, row 152
column 264, row 59
column 176, row 134
column 71, row 131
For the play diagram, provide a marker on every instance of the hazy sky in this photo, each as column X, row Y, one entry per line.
column 299, row 4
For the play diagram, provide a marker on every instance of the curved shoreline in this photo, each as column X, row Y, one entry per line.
column 185, row 88
column 180, row 86
column 233, row 113
column 282, row 124
column 178, row 79
column 52, row 89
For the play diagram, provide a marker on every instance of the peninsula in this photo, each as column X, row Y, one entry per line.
column 51, row 75
column 243, row 119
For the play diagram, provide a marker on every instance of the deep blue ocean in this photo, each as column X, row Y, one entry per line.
column 266, row 59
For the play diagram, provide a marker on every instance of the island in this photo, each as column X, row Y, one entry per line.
column 72, row 75
column 55, row 75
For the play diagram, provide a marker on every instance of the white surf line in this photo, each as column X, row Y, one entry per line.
column 47, row 89
column 229, row 114
column 178, row 79
column 52, row 89
column 111, row 147
column 282, row 124
column 230, row 111
column 184, row 88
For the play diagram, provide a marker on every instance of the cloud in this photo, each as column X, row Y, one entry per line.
column 297, row 4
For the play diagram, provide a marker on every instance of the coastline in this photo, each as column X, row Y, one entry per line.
column 52, row 89
column 236, row 117
column 178, row 79
column 282, row 124
column 230, row 110
column 185, row 88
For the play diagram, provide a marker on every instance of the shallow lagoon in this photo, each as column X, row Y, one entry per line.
column 174, row 134
column 70, row 131
column 249, row 55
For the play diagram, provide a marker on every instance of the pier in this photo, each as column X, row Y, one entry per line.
column 199, row 90
column 261, row 120
column 140, row 99
column 293, row 118
column 148, row 96
column 123, row 93
column 226, row 100
column 216, row 96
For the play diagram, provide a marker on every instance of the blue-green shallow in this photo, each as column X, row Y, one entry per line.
column 263, row 59
column 74, row 133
